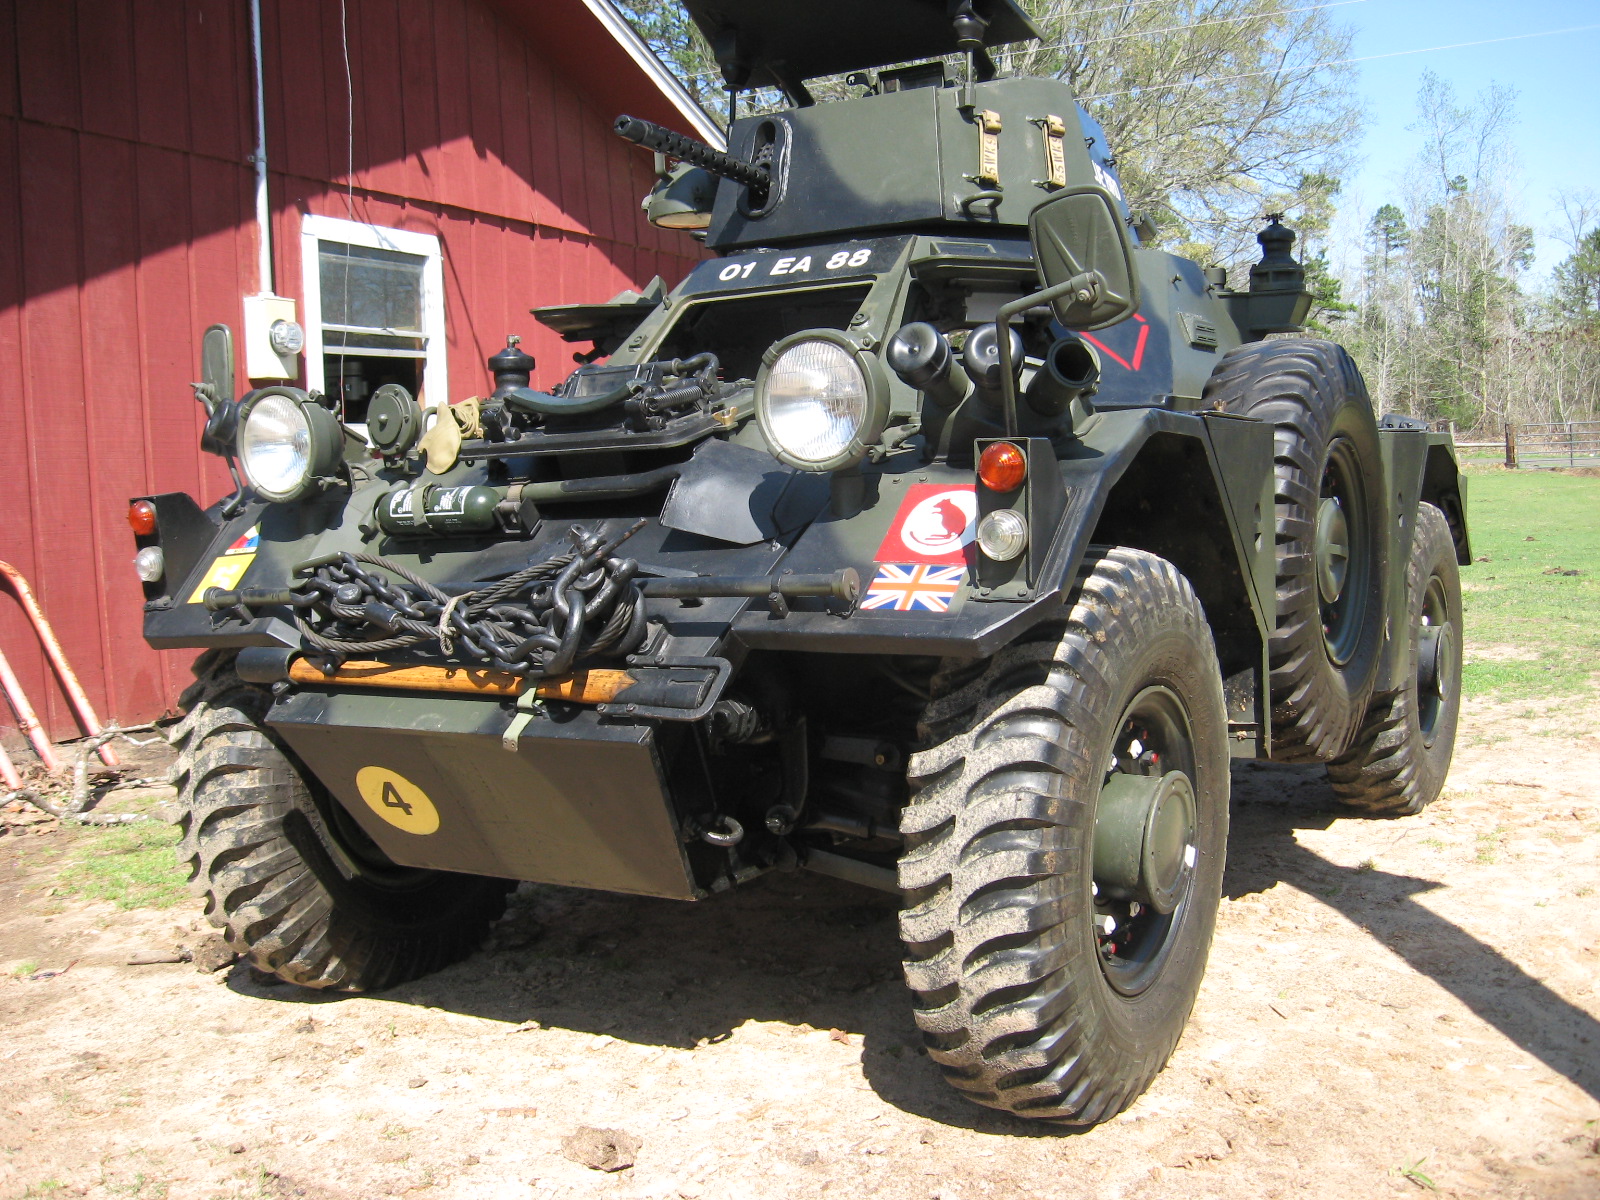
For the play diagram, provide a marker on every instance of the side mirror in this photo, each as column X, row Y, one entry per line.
column 1079, row 236
column 215, row 392
column 216, row 364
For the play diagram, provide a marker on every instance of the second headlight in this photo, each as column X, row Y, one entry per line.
column 820, row 400
column 286, row 442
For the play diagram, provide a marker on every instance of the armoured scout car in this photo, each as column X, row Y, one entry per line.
column 934, row 534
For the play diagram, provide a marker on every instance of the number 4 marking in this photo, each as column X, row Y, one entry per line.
column 393, row 799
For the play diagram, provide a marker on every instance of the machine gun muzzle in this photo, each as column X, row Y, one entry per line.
column 692, row 150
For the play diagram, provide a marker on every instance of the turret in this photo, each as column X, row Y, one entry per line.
column 922, row 148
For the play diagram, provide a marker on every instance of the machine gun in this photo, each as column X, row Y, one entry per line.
column 695, row 152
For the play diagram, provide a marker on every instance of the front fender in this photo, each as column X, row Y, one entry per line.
column 1204, row 497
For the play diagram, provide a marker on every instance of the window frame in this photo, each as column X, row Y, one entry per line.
column 315, row 229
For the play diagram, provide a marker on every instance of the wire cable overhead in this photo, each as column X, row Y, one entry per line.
column 1340, row 62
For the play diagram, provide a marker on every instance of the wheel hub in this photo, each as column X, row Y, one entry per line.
column 1436, row 667
column 1144, row 838
column 1332, row 549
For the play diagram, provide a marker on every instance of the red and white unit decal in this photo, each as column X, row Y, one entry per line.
column 246, row 543
column 936, row 523
column 910, row 587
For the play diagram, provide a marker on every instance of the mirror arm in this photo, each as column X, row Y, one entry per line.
column 1088, row 281
column 232, row 506
column 207, row 395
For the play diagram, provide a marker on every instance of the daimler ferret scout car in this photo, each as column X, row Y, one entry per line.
column 934, row 535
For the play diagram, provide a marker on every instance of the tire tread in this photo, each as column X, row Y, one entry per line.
column 1384, row 773
column 237, row 792
column 989, row 963
column 1296, row 385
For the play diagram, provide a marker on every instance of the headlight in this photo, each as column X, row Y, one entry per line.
column 286, row 442
column 820, row 401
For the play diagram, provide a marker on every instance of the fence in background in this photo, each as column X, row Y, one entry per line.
column 1544, row 445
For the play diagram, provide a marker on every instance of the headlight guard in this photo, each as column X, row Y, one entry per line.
column 287, row 443
column 820, row 400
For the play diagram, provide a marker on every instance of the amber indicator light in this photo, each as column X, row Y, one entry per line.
column 142, row 518
column 1002, row 467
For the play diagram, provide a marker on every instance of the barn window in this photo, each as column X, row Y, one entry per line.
column 374, row 312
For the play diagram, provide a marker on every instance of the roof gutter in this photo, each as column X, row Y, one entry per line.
column 616, row 24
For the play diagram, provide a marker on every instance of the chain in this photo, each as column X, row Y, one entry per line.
column 537, row 622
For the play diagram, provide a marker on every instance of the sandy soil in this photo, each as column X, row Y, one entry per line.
column 1382, row 995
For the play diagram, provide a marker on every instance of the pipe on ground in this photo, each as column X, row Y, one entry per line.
column 63, row 669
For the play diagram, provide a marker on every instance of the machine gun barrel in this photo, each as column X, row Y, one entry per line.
column 691, row 150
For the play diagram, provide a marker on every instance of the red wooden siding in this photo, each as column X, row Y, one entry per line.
column 126, row 227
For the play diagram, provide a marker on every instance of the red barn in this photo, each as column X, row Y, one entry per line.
column 433, row 168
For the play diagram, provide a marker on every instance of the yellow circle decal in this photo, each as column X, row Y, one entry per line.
column 397, row 800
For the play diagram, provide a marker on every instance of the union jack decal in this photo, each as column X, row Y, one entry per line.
column 913, row 587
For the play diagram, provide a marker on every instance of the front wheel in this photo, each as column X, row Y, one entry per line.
column 1064, row 849
column 295, row 885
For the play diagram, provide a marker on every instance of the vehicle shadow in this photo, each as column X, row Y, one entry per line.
column 802, row 950
column 791, row 948
column 1273, row 802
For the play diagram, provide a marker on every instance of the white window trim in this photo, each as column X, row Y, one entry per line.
column 435, row 375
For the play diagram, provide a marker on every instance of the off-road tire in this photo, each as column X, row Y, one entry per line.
column 1313, row 394
column 1402, row 754
column 279, row 873
column 1010, row 993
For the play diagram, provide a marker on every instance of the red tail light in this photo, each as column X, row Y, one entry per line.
column 142, row 518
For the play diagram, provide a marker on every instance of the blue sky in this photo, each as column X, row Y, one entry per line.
column 1557, row 81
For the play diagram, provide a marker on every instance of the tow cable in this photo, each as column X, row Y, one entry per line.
column 537, row 622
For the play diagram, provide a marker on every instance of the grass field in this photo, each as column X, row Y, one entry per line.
column 133, row 866
column 1532, row 598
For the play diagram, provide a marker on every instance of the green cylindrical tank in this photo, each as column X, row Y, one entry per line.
column 431, row 509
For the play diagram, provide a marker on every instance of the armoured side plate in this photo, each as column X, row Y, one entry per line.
column 581, row 802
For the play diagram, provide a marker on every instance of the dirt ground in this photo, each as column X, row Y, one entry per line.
column 1392, row 1007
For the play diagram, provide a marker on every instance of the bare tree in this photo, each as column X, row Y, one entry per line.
column 1580, row 215
column 1218, row 110
column 1447, row 327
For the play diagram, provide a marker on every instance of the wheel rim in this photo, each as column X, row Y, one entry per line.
column 1340, row 557
column 1437, row 653
column 1145, row 848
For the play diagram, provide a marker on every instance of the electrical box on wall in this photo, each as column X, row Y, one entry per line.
column 273, row 338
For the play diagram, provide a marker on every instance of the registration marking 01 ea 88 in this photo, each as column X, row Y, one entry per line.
column 797, row 264
column 810, row 264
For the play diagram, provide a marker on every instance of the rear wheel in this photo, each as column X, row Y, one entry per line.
column 295, row 885
column 1328, row 522
column 1064, row 849
column 1402, row 754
